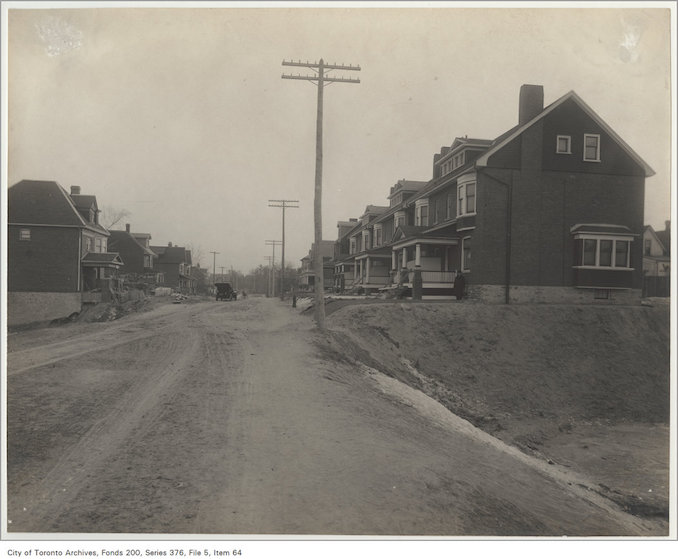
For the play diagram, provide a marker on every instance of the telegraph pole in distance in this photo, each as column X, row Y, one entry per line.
column 214, row 266
column 273, row 244
column 284, row 204
column 268, row 280
column 320, row 79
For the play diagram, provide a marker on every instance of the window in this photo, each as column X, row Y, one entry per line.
column 621, row 254
column 591, row 147
column 352, row 251
column 450, row 205
column 421, row 216
column 434, row 211
column 97, row 245
column 648, row 247
column 24, row 234
column 604, row 253
column 377, row 236
column 466, row 254
column 467, row 199
column 563, row 144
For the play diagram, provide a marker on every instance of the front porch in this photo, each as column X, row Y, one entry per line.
column 436, row 259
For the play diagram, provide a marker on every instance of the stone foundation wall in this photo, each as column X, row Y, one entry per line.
column 554, row 295
column 25, row 307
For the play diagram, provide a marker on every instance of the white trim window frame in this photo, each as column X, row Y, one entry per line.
column 421, row 213
column 378, row 238
column 604, row 252
column 563, row 144
column 466, row 254
column 466, row 198
column 591, row 149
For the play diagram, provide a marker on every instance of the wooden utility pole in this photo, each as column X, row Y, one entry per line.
column 268, row 282
column 320, row 79
column 214, row 266
column 284, row 204
column 273, row 244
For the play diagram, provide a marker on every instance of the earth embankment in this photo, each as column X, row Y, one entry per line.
column 582, row 386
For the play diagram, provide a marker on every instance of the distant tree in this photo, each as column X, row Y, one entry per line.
column 111, row 216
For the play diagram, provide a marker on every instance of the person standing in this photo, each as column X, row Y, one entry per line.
column 459, row 285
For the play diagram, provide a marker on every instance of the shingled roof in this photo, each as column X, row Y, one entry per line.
column 36, row 202
column 41, row 203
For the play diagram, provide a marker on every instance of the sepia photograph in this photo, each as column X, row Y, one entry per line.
column 336, row 274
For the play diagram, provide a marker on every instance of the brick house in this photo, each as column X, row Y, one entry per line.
column 135, row 251
column 58, row 256
column 307, row 272
column 174, row 263
column 342, row 261
column 553, row 209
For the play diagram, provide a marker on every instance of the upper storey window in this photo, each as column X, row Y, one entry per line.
column 453, row 163
column 592, row 147
column 564, row 144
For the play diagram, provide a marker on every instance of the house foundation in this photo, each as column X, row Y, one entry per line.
column 25, row 307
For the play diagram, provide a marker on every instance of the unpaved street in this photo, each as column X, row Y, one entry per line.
column 234, row 418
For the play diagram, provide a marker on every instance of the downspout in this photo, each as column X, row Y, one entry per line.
column 509, row 207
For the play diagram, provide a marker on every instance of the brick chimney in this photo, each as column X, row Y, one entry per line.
column 531, row 102
column 127, row 228
column 75, row 190
column 169, row 244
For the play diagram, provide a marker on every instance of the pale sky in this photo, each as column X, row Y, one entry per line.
column 180, row 116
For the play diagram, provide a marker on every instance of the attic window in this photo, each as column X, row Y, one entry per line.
column 564, row 144
column 24, row 234
column 592, row 147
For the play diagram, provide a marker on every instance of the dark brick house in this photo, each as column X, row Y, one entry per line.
column 135, row 252
column 57, row 252
column 175, row 263
column 550, row 210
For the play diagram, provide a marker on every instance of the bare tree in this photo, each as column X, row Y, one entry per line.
column 111, row 216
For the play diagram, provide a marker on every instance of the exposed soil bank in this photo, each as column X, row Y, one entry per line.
column 585, row 387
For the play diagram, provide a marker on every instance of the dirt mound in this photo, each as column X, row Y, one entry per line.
column 541, row 377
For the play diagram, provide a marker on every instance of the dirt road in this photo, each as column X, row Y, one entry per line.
column 232, row 418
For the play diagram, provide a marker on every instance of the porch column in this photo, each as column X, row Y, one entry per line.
column 404, row 257
column 362, row 270
column 394, row 260
column 417, row 257
column 367, row 271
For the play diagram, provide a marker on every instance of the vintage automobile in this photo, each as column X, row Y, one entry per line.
column 225, row 292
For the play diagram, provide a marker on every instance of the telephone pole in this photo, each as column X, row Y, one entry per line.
column 214, row 266
column 268, row 282
column 320, row 79
column 284, row 204
column 273, row 244
column 221, row 277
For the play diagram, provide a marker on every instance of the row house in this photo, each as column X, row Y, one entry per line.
column 58, row 254
column 307, row 273
column 174, row 268
column 551, row 210
column 342, row 261
column 139, row 260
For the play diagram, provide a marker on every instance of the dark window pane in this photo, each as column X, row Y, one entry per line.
column 589, row 252
column 606, row 253
column 621, row 254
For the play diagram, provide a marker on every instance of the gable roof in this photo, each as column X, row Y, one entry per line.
column 124, row 235
column 171, row 254
column 482, row 161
